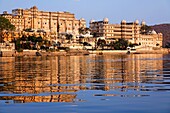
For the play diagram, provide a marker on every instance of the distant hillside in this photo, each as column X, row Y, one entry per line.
column 164, row 29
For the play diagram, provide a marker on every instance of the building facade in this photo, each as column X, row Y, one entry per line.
column 126, row 30
column 50, row 22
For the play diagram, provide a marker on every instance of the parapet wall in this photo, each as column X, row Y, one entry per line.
column 7, row 47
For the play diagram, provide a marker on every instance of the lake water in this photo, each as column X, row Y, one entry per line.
column 137, row 83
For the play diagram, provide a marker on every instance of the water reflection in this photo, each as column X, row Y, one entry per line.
column 58, row 79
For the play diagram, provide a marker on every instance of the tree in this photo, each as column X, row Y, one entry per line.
column 69, row 36
column 94, row 34
column 5, row 25
column 83, row 30
column 145, row 29
column 167, row 45
column 28, row 30
column 101, row 43
column 133, row 44
column 121, row 44
column 39, row 39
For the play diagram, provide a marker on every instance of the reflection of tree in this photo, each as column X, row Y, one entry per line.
column 34, row 76
column 99, row 69
column 123, row 74
column 56, row 76
column 28, row 99
column 166, row 64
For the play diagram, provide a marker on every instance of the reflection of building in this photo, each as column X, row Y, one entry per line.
column 124, row 72
column 50, row 98
column 57, row 79
column 126, row 30
column 23, row 75
column 52, row 22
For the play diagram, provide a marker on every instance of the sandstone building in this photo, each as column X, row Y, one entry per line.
column 126, row 30
column 50, row 22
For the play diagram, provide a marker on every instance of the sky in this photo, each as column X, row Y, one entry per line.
column 152, row 11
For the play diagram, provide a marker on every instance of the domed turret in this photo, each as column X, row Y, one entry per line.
column 123, row 21
column 82, row 19
column 160, row 34
column 106, row 20
column 153, row 32
column 91, row 21
column 136, row 21
column 34, row 7
column 143, row 23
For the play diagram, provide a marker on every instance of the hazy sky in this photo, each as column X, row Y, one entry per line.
column 152, row 11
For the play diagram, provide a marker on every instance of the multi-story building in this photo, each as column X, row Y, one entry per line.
column 50, row 22
column 126, row 30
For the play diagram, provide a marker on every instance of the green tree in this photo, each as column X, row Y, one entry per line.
column 39, row 39
column 101, row 43
column 28, row 30
column 145, row 29
column 167, row 45
column 83, row 30
column 18, row 45
column 94, row 34
column 5, row 24
column 121, row 44
column 112, row 44
column 69, row 36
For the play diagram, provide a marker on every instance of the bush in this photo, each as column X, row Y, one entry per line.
column 121, row 44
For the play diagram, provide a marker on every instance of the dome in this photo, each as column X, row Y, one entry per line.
column 82, row 19
column 106, row 20
column 153, row 32
column 143, row 23
column 137, row 21
column 123, row 22
column 34, row 7
column 160, row 34
column 91, row 21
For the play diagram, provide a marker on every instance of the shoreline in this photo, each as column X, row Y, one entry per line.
column 80, row 52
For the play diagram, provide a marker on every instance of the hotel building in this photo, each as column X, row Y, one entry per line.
column 126, row 30
column 50, row 22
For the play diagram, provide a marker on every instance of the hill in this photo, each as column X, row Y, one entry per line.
column 165, row 30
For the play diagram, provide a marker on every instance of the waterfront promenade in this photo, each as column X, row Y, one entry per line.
column 82, row 52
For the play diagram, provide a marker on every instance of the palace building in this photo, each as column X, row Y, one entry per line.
column 126, row 30
column 50, row 22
